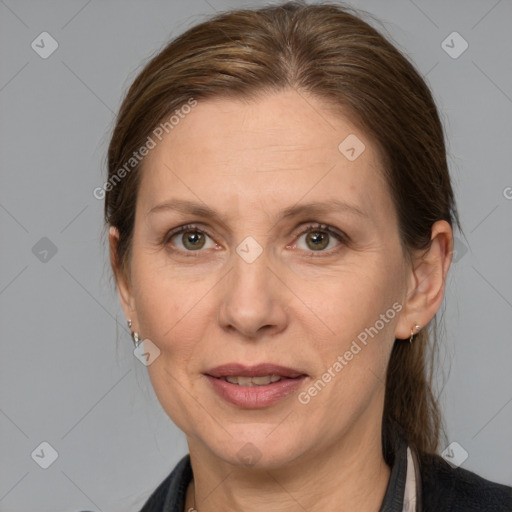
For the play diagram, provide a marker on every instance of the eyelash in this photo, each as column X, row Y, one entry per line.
column 325, row 228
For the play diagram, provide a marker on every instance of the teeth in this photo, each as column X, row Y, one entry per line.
column 245, row 381
column 253, row 381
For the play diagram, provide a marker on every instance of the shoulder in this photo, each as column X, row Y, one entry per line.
column 445, row 488
column 169, row 496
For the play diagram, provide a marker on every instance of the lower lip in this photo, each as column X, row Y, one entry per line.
column 255, row 397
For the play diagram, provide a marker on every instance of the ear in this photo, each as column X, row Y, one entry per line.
column 427, row 281
column 123, row 283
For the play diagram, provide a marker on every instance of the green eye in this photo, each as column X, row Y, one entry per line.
column 317, row 239
column 192, row 238
column 319, row 236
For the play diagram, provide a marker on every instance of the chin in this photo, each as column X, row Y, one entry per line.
column 253, row 447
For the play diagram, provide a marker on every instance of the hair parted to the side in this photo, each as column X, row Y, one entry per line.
column 329, row 52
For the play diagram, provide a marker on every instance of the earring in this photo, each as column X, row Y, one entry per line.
column 417, row 327
column 135, row 336
column 136, row 340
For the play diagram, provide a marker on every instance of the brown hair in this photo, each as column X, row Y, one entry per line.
column 331, row 53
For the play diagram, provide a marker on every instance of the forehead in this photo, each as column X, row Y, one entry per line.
column 272, row 152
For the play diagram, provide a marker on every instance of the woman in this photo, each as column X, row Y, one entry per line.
column 281, row 214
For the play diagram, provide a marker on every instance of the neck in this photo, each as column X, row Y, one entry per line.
column 336, row 479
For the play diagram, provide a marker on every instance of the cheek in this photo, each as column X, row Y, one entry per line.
column 352, row 332
column 172, row 317
column 166, row 309
column 352, row 364
column 341, row 304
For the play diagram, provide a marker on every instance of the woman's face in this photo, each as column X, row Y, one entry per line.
column 262, row 283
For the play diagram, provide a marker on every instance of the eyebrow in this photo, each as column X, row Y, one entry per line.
column 313, row 208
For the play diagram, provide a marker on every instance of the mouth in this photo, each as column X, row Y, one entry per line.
column 258, row 375
column 254, row 386
column 263, row 380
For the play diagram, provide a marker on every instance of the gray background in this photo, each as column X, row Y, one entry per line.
column 68, row 375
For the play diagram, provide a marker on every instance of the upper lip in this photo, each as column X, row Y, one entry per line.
column 259, row 370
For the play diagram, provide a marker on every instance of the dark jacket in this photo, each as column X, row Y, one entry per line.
column 441, row 488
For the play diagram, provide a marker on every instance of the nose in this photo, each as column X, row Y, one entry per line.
column 253, row 299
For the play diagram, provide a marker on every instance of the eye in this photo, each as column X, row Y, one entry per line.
column 189, row 238
column 319, row 237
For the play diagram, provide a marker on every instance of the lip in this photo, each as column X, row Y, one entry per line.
column 254, row 397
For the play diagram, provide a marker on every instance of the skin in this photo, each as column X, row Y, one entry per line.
column 294, row 305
